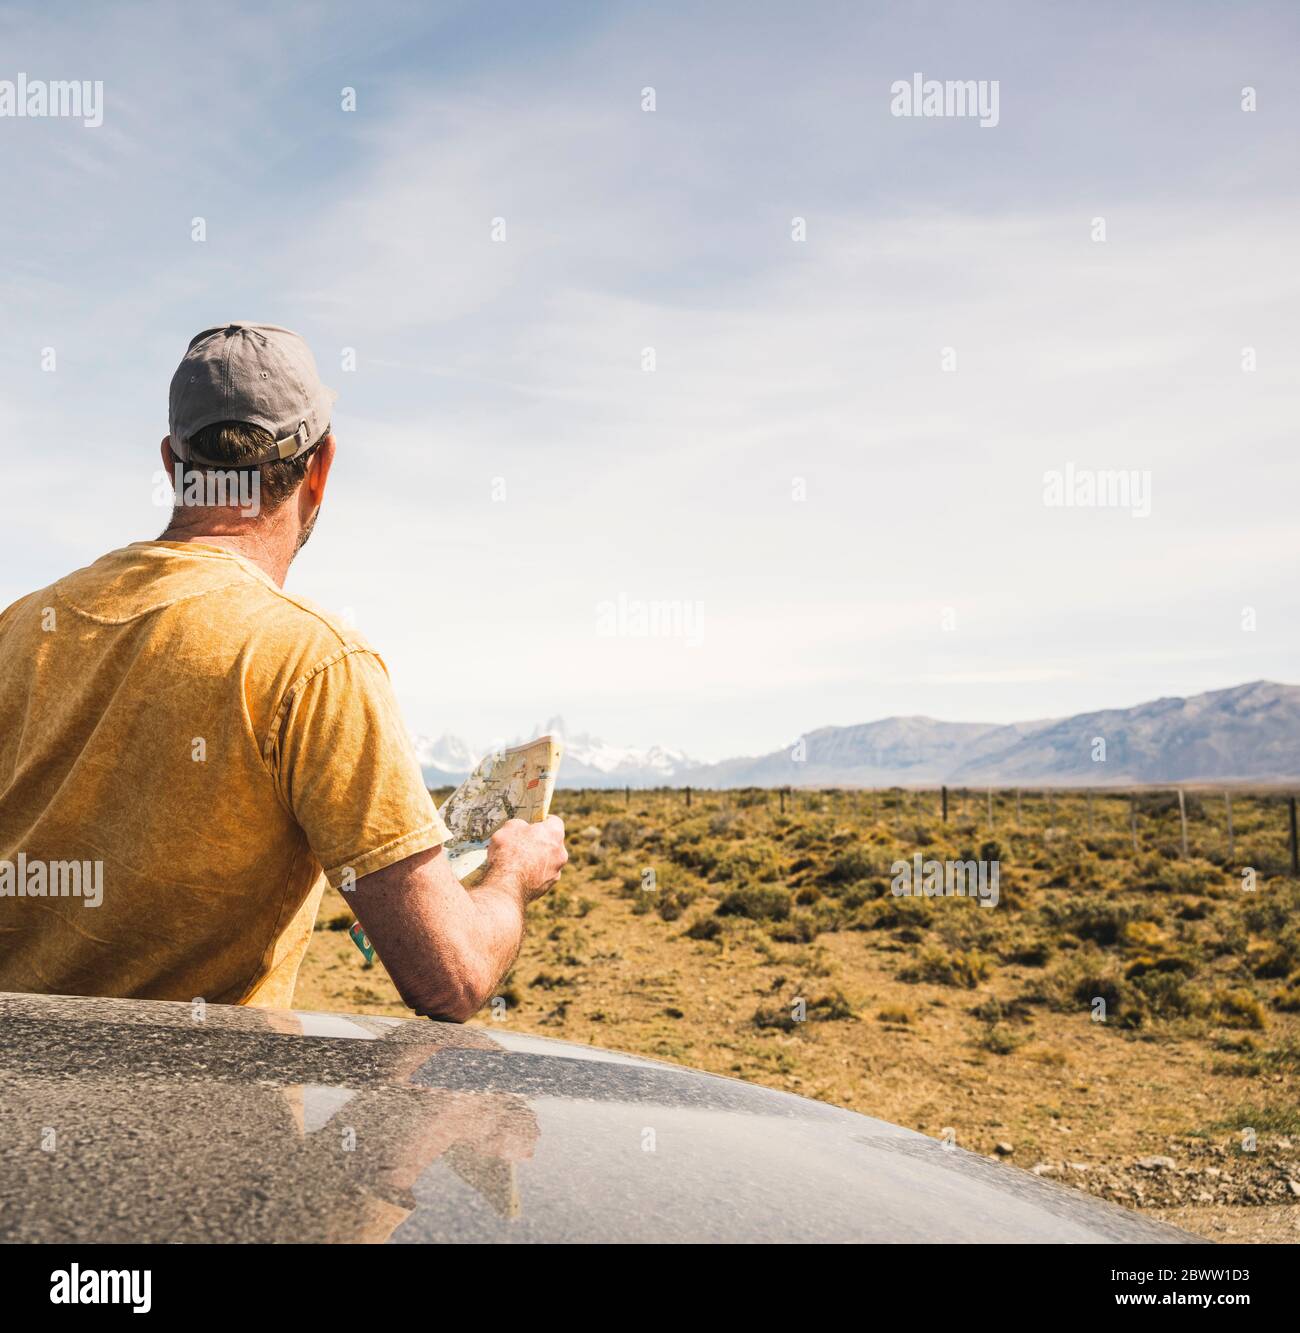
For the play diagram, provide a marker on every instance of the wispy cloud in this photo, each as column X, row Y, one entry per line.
column 863, row 529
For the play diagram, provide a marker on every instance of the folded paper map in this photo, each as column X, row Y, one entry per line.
column 509, row 784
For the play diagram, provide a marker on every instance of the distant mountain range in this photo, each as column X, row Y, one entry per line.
column 1247, row 733
column 588, row 762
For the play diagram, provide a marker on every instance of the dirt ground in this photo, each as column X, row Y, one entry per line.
column 1190, row 1115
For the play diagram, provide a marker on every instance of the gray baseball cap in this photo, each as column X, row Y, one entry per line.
column 255, row 373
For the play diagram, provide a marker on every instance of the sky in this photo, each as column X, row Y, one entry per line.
column 708, row 416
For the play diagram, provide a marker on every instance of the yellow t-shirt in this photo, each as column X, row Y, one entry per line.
column 185, row 742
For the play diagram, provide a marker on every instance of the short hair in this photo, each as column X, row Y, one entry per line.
column 233, row 443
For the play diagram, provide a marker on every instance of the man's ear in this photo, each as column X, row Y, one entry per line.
column 169, row 459
column 318, row 471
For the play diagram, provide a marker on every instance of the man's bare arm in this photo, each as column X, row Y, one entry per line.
column 447, row 947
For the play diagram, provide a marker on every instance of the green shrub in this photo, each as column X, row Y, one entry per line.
column 748, row 861
column 1279, row 959
column 1270, row 913
column 892, row 913
column 1030, row 953
column 550, row 980
column 1239, row 1008
column 994, row 1011
column 944, row 968
column 696, row 855
column 826, row 1008
column 849, row 867
column 757, row 903
column 1107, row 987
column 1000, row 1040
column 621, row 834
column 1167, row 995
column 1130, row 1002
column 1102, row 920
column 1145, row 963
column 673, row 903
column 801, row 928
column 1283, row 1119
column 1175, row 876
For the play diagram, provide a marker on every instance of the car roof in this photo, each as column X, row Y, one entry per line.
column 138, row 1120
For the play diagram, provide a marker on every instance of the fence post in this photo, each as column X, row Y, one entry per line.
column 688, row 798
column 990, row 809
column 1232, row 841
column 944, row 798
column 783, row 800
column 1182, row 819
column 1017, row 805
column 1090, row 826
column 1133, row 820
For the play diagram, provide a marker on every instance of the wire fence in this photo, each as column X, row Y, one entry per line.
column 1236, row 827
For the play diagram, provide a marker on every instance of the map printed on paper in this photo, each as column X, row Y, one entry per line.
column 510, row 784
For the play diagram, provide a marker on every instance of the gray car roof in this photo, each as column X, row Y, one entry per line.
column 134, row 1120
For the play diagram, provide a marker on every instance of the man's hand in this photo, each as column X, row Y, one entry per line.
column 447, row 947
column 530, row 856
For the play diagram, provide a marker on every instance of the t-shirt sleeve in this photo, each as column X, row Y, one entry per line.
column 346, row 769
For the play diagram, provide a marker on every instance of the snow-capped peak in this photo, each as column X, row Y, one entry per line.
column 612, row 759
column 587, row 759
column 448, row 753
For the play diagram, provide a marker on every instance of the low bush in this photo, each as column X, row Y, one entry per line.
column 757, row 903
column 829, row 1007
column 947, row 968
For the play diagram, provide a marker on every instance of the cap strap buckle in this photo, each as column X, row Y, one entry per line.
column 288, row 446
